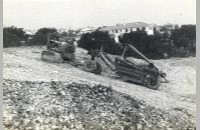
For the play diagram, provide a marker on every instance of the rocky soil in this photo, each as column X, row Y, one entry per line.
column 48, row 96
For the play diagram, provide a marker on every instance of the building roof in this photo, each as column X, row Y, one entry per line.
column 125, row 26
column 169, row 26
column 154, row 25
column 29, row 33
column 87, row 29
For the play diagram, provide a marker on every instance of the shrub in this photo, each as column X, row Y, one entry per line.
column 184, row 37
column 138, row 39
column 12, row 36
column 148, row 45
column 94, row 41
column 40, row 38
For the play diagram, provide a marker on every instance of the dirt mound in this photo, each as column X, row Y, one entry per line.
column 60, row 105
column 80, row 100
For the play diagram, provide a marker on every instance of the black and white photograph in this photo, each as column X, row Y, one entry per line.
column 99, row 64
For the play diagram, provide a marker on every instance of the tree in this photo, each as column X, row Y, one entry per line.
column 40, row 38
column 146, row 44
column 12, row 36
column 184, row 36
column 149, row 45
column 137, row 39
column 94, row 40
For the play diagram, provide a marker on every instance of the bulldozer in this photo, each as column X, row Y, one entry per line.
column 147, row 75
column 58, row 51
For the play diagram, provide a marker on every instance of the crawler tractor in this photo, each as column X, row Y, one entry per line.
column 147, row 75
column 58, row 51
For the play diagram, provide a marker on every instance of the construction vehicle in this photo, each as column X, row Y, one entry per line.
column 58, row 51
column 147, row 75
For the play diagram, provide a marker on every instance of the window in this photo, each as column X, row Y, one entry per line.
column 116, row 31
column 133, row 29
column 143, row 28
column 138, row 29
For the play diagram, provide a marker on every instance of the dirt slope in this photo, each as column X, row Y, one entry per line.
column 177, row 96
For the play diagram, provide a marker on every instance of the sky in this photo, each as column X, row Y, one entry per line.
column 35, row 14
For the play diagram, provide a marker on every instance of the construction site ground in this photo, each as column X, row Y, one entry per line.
column 175, row 97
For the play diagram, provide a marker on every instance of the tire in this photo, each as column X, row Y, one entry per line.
column 153, row 83
column 90, row 66
column 98, row 69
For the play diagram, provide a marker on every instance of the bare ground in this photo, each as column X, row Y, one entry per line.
column 177, row 96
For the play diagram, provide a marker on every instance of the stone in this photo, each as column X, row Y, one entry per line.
column 72, row 116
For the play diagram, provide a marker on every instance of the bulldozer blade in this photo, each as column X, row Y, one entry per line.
column 51, row 56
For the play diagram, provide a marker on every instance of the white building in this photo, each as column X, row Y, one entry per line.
column 29, row 33
column 86, row 30
column 62, row 30
column 120, row 29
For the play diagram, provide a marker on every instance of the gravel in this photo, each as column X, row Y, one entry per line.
column 58, row 105
column 40, row 95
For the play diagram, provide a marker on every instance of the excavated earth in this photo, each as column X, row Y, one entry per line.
column 49, row 96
